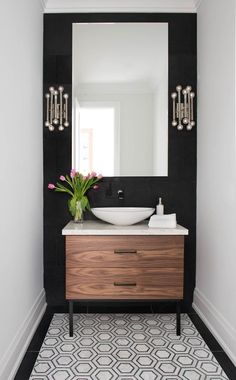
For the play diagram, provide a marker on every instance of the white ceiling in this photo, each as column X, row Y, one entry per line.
column 76, row 6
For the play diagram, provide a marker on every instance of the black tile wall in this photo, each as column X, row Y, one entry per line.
column 178, row 190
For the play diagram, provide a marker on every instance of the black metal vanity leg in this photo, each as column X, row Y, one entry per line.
column 71, row 318
column 178, row 318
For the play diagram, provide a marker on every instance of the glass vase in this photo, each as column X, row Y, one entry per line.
column 78, row 217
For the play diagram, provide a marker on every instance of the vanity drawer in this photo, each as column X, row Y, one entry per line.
column 124, row 251
column 120, row 283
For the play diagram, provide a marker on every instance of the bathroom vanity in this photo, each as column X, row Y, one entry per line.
column 108, row 262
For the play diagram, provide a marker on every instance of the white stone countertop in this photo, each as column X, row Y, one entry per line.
column 90, row 227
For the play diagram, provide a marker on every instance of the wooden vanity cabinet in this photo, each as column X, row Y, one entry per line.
column 124, row 267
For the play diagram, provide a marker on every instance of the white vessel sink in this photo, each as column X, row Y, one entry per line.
column 122, row 216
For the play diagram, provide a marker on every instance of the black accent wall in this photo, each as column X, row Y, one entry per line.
column 178, row 190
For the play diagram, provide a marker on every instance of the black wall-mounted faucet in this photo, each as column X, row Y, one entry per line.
column 120, row 194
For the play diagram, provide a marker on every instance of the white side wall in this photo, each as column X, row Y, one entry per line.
column 216, row 216
column 21, row 179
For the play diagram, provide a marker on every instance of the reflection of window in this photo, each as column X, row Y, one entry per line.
column 98, row 124
column 86, row 137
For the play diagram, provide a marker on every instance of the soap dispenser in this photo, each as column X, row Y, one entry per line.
column 160, row 208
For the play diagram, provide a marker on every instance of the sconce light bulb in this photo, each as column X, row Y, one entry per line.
column 55, row 121
column 51, row 128
column 66, row 124
column 173, row 95
column 66, row 96
column 179, row 88
column 184, row 92
column 61, row 128
column 185, row 120
column 179, row 127
column 51, row 89
column 192, row 94
column 188, row 88
column 60, row 88
column 192, row 123
column 189, row 127
column 47, row 96
column 55, row 92
column 174, row 123
column 47, row 124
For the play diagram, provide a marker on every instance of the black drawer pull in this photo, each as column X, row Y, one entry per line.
column 123, row 251
column 125, row 284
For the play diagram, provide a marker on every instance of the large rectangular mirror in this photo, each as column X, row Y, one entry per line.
column 120, row 99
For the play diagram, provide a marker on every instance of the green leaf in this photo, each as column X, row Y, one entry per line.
column 84, row 202
column 72, row 205
column 64, row 188
column 69, row 181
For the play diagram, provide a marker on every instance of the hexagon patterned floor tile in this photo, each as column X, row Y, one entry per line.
column 124, row 347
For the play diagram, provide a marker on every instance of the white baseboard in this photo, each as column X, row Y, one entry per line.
column 11, row 360
column 222, row 330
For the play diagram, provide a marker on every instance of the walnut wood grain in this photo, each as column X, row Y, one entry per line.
column 101, row 283
column 124, row 251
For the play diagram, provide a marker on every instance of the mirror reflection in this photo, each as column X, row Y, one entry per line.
column 120, row 99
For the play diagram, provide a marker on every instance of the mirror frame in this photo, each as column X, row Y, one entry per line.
column 75, row 132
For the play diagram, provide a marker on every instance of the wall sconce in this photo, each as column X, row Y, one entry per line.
column 183, row 111
column 56, row 109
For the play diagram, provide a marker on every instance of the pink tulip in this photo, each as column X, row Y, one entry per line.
column 62, row 178
column 100, row 176
column 93, row 174
column 51, row 186
column 72, row 173
column 95, row 187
